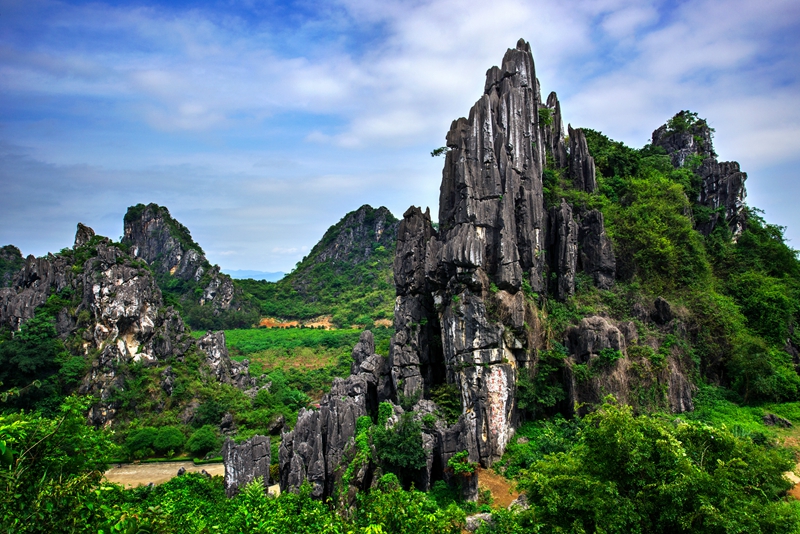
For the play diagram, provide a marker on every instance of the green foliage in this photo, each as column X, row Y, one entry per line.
column 11, row 262
column 448, row 398
column 536, row 439
column 546, row 116
column 399, row 448
column 203, row 441
column 541, row 393
column 351, row 289
column 644, row 474
column 441, row 151
column 140, row 442
column 389, row 509
column 169, row 438
column 35, row 368
column 460, row 465
column 608, row 357
column 50, row 468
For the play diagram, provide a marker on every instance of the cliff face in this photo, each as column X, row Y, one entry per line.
column 467, row 314
column 167, row 246
column 722, row 190
column 115, row 316
column 461, row 316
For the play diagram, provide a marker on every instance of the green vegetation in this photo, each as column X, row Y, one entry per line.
column 347, row 275
column 11, row 262
column 645, row 474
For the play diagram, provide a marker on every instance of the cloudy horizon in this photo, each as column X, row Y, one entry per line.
column 261, row 123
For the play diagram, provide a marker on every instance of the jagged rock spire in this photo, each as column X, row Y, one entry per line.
column 552, row 126
column 581, row 163
column 722, row 188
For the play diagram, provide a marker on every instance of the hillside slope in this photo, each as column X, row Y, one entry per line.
column 348, row 274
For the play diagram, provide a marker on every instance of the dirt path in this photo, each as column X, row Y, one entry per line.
column 502, row 490
column 132, row 475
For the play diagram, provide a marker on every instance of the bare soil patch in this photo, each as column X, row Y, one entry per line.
column 503, row 493
column 132, row 475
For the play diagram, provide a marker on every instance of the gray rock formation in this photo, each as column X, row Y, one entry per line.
column 314, row 450
column 581, row 163
column 642, row 382
column 245, row 462
column 118, row 310
column 563, row 246
column 226, row 370
column 412, row 358
column 553, row 134
column 722, row 191
column 83, row 235
column 596, row 255
column 167, row 246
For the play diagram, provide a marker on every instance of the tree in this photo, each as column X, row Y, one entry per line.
column 203, row 441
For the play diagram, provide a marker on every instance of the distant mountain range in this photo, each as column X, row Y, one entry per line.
column 244, row 274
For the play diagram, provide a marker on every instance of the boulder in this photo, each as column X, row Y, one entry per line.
column 245, row 462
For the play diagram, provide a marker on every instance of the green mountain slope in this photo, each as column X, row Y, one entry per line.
column 347, row 275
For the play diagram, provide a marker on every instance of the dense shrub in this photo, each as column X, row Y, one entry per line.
column 203, row 441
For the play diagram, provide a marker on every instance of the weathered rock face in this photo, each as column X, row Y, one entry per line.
column 595, row 253
column 313, row 451
column 722, row 190
column 226, row 370
column 167, row 246
column 31, row 286
column 245, row 462
column 553, row 134
column 563, row 246
column 83, row 235
column 413, row 361
column 581, row 163
column 491, row 210
column 602, row 346
column 118, row 312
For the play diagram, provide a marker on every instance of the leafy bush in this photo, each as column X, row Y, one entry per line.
column 169, row 438
column 140, row 442
column 203, row 441
column 399, row 448
column 644, row 474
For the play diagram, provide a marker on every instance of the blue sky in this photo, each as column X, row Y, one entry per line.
column 260, row 124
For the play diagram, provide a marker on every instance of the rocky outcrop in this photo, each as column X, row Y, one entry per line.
column 687, row 140
column 83, row 235
column 167, row 246
column 413, row 361
column 595, row 252
column 31, row 286
column 600, row 346
column 116, row 315
column 581, row 163
column 552, row 126
column 314, row 450
column 245, row 462
column 563, row 248
column 225, row 370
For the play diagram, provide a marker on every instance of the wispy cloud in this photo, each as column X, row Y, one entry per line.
column 270, row 117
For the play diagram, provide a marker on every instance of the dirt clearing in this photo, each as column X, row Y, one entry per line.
column 502, row 490
column 132, row 475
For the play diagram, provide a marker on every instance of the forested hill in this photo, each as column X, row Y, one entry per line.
column 347, row 275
